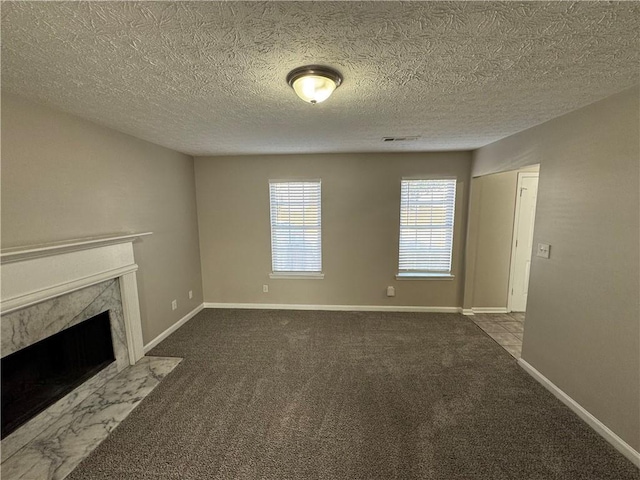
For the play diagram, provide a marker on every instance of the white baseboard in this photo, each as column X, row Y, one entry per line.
column 344, row 308
column 467, row 311
column 173, row 328
column 489, row 310
column 600, row 428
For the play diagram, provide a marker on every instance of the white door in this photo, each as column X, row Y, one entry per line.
column 522, row 240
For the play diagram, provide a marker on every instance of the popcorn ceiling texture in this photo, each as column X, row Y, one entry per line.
column 208, row 78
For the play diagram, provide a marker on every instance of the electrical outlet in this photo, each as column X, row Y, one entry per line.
column 391, row 291
column 190, row 293
column 265, row 288
column 174, row 304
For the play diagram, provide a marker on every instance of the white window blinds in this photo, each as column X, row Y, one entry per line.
column 427, row 209
column 295, row 226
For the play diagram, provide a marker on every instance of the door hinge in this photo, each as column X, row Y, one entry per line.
column 516, row 243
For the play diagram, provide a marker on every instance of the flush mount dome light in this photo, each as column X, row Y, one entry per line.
column 314, row 83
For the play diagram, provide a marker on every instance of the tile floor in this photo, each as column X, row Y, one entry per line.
column 504, row 328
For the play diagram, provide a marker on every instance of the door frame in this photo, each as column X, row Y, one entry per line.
column 514, row 235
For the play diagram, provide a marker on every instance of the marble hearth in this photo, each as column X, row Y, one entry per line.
column 28, row 325
column 48, row 289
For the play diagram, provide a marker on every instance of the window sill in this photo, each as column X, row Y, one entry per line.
column 296, row 276
column 424, row 276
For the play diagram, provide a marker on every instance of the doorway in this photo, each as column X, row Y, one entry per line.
column 522, row 243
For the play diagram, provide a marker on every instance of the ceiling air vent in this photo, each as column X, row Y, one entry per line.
column 406, row 138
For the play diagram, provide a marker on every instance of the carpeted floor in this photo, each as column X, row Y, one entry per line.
column 343, row 395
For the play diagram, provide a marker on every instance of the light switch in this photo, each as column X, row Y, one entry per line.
column 543, row 250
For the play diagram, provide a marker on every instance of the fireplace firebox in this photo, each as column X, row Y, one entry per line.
column 37, row 376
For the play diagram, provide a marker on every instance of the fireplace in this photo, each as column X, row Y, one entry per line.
column 49, row 292
column 35, row 377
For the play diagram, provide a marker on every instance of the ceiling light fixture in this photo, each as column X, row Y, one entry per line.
column 314, row 83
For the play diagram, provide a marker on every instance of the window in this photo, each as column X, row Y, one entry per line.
column 426, row 227
column 296, row 245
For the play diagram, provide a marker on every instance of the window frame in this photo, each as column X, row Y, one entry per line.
column 295, row 274
column 425, row 274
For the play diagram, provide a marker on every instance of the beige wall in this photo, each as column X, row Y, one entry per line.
column 360, row 215
column 64, row 178
column 582, row 328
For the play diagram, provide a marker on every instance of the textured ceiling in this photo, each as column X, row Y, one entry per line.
column 208, row 78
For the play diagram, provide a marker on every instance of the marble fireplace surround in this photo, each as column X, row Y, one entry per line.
column 46, row 289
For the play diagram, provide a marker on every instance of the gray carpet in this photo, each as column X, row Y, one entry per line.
column 341, row 395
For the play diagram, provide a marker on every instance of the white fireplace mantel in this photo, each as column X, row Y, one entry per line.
column 34, row 274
